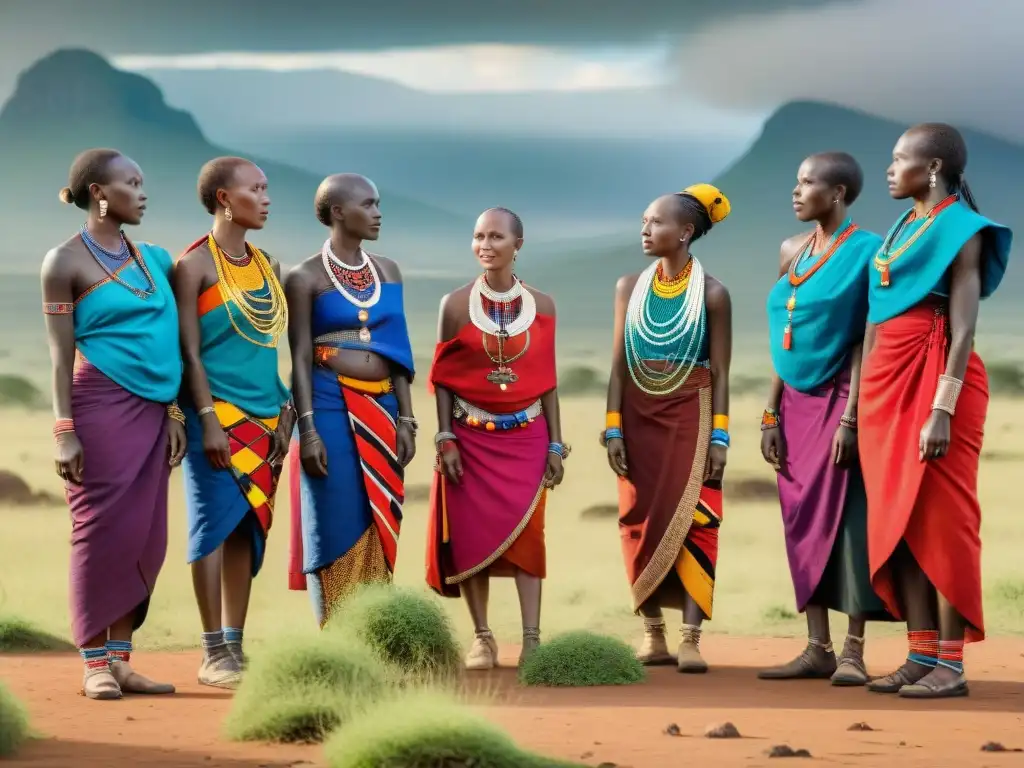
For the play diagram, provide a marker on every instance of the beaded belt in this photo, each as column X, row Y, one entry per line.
column 382, row 387
column 471, row 416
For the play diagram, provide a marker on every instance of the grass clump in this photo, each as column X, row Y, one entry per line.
column 426, row 729
column 19, row 636
column 404, row 627
column 301, row 689
column 14, row 728
column 577, row 659
column 18, row 391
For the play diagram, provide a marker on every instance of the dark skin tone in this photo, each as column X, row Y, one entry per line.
column 815, row 199
column 355, row 218
column 666, row 235
column 222, row 580
column 67, row 272
column 909, row 177
column 494, row 245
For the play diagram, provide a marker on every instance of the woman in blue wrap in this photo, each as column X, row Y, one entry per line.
column 352, row 367
column 232, row 312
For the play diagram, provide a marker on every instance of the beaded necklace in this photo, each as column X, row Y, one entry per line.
column 677, row 324
column 671, row 288
column 502, row 315
column 885, row 257
column 239, row 279
column 112, row 262
column 839, row 237
column 359, row 284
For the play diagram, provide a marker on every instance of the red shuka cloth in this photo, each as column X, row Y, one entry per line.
column 931, row 504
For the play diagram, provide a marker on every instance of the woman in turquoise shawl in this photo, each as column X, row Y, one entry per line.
column 817, row 312
column 232, row 312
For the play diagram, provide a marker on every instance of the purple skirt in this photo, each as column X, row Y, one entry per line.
column 119, row 512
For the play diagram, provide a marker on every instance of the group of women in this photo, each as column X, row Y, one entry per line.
column 179, row 359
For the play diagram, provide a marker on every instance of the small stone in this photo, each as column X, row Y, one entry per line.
column 860, row 727
column 784, row 750
column 995, row 746
column 673, row 730
column 130, row 718
column 722, row 731
column 586, row 755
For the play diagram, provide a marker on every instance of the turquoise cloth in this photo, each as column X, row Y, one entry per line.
column 924, row 267
column 659, row 310
column 240, row 372
column 134, row 341
column 829, row 317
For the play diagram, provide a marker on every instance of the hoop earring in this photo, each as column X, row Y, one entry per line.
column 103, row 208
column 931, row 179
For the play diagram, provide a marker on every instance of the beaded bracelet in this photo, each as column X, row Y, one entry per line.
column 769, row 419
column 613, row 420
column 720, row 437
column 946, row 394
column 411, row 422
column 612, row 433
column 63, row 427
column 444, row 437
column 175, row 412
column 720, row 421
column 850, row 422
column 559, row 449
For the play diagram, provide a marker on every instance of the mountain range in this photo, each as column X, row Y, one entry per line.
column 74, row 99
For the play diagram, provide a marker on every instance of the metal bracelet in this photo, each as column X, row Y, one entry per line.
column 411, row 421
column 441, row 437
column 206, row 410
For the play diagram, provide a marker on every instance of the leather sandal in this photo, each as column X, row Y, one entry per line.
column 925, row 689
column 908, row 674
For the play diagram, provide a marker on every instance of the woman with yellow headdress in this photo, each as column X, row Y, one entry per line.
column 667, row 426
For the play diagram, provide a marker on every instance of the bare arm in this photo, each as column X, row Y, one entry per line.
column 964, row 297
column 187, row 281
column 60, row 330
column 616, row 381
column 400, row 377
column 299, row 293
column 856, row 357
column 446, row 330
column 787, row 253
column 869, row 340
column 549, row 400
column 719, row 311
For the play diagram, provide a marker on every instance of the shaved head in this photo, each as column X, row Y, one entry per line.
column 339, row 189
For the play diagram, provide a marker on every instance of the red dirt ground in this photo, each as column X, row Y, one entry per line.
column 623, row 726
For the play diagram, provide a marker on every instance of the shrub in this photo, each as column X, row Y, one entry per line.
column 13, row 723
column 17, row 390
column 581, row 658
column 19, row 636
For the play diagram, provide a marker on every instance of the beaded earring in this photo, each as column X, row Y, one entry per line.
column 103, row 208
column 227, row 213
column 931, row 179
column 515, row 254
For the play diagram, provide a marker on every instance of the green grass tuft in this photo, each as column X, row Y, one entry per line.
column 426, row 729
column 19, row 636
column 14, row 728
column 406, row 628
column 300, row 689
column 577, row 659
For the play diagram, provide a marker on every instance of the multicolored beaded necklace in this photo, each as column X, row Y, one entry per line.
column 885, row 258
column 839, row 237
column 248, row 282
column 502, row 316
column 359, row 284
column 112, row 262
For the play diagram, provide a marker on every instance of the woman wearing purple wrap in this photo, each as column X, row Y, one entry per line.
column 817, row 313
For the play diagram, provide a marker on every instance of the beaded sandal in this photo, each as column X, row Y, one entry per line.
column 653, row 650
column 531, row 639
column 851, row 670
column 483, row 654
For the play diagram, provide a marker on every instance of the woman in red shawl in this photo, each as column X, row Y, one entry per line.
column 499, row 442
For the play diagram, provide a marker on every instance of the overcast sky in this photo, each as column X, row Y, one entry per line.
column 907, row 59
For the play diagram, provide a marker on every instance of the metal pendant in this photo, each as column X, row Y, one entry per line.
column 364, row 335
column 502, row 377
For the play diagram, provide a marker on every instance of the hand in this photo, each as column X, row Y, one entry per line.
column 616, row 448
column 215, row 445
column 406, row 443
column 69, row 461
column 714, row 467
column 773, row 447
column 554, row 472
column 934, row 436
column 451, row 462
column 280, row 441
column 844, row 446
column 175, row 441
column 312, row 454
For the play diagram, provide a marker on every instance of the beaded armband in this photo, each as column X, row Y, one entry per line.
column 720, row 437
column 58, row 308
column 946, row 394
column 63, row 427
column 175, row 412
column 769, row 419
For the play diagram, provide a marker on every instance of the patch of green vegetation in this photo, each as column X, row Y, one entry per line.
column 426, row 729
column 579, row 380
column 406, row 628
column 1005, row 378
column 1008, row 597
column 19, row 636
column 300, row 689
column 577, row 659
column 19, row 391
column 778, row 614
column 14, row 728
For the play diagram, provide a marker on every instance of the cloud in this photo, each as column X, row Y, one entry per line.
column 481, row 68
column 910, row 60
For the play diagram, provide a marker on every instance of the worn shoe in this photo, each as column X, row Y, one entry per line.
column 937, row 684
column 100, row 684
column 653, row 650
column 909, row 674
column 816, row 662
column 851, row 670
column 483, row 653
column 220, row 670
column 131, row 681
column 239, row 656
column 688, row 659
